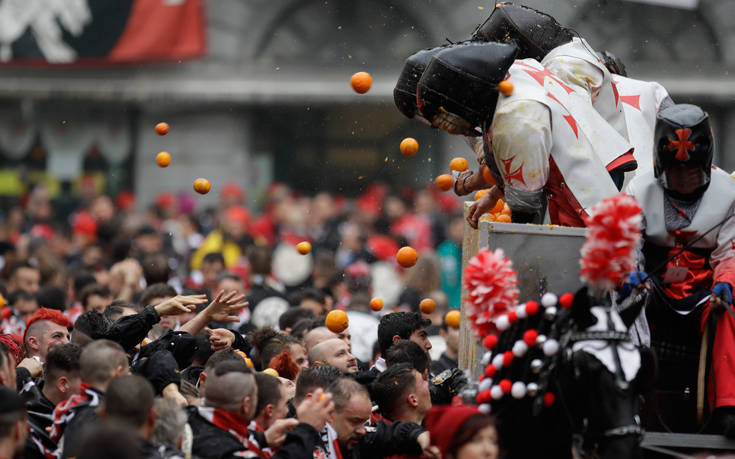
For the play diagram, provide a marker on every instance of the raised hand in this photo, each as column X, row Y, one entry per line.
column 226, row 306
column 179, row 304
column 220, row 338
column 316, row 410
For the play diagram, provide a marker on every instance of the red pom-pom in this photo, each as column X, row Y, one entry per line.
column 613, row 234
column 531, row 308
column 512, row 316
column 490, row 371
column 492, row 288
column 529, row 337
column 483, row 397
column 482, row 376
column 566, row 300
column 505, row 385
column 490, row 341
column 507, row 358
column 549, row 399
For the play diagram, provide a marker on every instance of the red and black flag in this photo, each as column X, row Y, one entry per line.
column 34, row 32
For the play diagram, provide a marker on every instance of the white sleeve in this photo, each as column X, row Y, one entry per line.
column 578, row 73
column 521, row 140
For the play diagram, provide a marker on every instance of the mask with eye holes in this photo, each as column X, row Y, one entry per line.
column 683, row 136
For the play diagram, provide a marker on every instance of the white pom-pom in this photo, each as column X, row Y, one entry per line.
column 518, row 390
column 521, row 311
column 520, row 348
column 502, row 323
column 550, row 313
column 532, row 389
column 549, row 299
column 485, row 384
column 551, row 347
column 496, row 393
column 484, row 408
column 486, row 358
column 498, row 360
column 540, row 340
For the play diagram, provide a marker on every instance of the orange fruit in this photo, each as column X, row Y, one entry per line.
column 452, row 318
column 407, row 256
column 361, row 82
column 2, row 301
column 270, row 371
column 303, row 247
column 502, row 218
column 444, row 182
column 481, row 193
column 506, row 210
column 505, row 87
column 498, row 207
column 202, row 185
column 458, row 164
column 321, row 397
column 163, row 159
column 427, row 305
column 162, row 128
column 488, row 176
column 336, row 321
column 376, row 304
column 409, row 146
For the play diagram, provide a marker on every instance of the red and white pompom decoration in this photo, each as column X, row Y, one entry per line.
column 613, row 234
column 492, row 288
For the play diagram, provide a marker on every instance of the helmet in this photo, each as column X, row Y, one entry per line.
column 404, row 93
column 458, row 89
column 613, row 63
column 536, row 33
column 683, row 136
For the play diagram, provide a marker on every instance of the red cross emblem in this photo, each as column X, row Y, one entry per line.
column 516, row 174
column 540, row 76
column 633, row 101
column 568, row 118
column 682, row 145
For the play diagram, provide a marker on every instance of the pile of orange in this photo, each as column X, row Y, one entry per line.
column 500, row 213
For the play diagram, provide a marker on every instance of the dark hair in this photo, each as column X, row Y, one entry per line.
column 129, row 399
column 269, row 391
column 223, row 355
column 93, row 289
column 21, row 295
column 114, row 310
column 159, row 290
column 110, row 440
column 391, row 385
column 51, row 297
column 313, row 378
column 155, row 268
column 307, row 293
column 82, row 279
column 231, row 366
column 213, row 257
column 92, row 324
column 260, row 258
column 301, row 328
column 20, row 265
column 62, row 358
column 292, row 316
column 204, row 349
column 401, row 324
column 469, row 428
column 342, row 390
column 406, row 351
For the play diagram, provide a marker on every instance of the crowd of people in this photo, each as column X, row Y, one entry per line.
column 131, row 334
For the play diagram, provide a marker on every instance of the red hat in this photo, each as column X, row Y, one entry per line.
column 238, row 214
column 53, row 315
column 232, row 190
column 84, row 223
column 165, row 200
column 444, row 422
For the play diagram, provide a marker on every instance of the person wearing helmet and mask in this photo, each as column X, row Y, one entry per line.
column 687, row 267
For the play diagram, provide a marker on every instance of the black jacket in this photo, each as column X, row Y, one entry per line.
column 40, row 416
column 383, row 439
column 212, row 442
column 444, row 363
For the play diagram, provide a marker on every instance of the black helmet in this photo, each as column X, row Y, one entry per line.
column 535, row 32
column 404, row 94
column 683, row 136
column 460, row 83
column 613, row 63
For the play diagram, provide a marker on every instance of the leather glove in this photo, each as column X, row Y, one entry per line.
column 635, row 280
column 446, row 385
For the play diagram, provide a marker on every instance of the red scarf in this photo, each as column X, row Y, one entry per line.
column 236, row 425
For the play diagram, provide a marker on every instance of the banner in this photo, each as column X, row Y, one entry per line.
column 99, row 32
